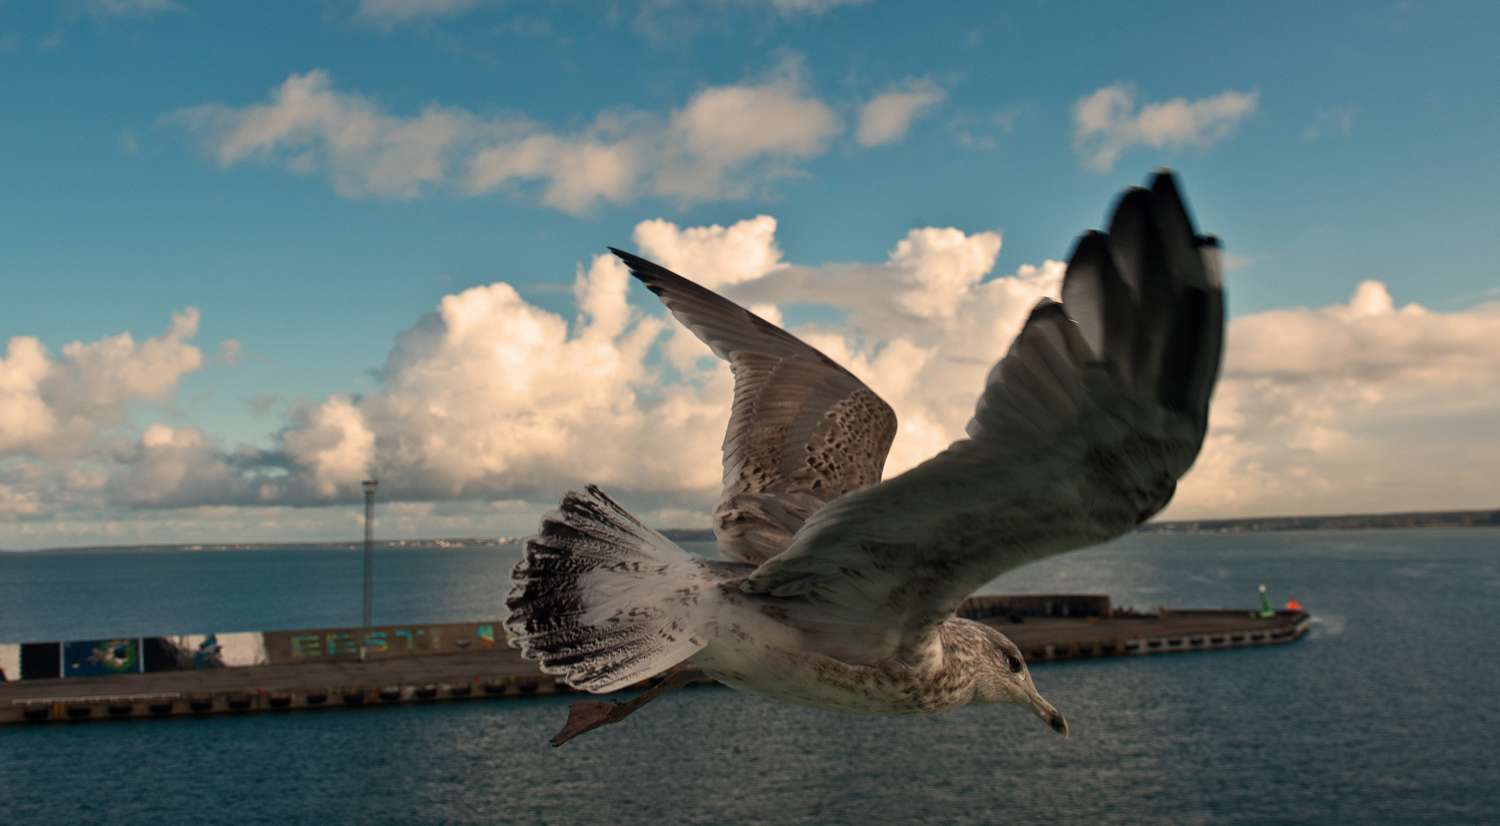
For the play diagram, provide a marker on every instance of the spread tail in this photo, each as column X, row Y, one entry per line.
column 602, row 600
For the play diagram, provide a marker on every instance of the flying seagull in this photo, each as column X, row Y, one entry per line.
column 840, row 589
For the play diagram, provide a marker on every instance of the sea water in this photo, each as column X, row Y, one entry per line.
column 1386, row 713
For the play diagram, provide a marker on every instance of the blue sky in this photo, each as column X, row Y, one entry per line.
column 314, row 178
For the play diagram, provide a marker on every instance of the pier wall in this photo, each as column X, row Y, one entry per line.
column 501, row 672
column 1020, row 606
column 141, row 655
column 135, row 655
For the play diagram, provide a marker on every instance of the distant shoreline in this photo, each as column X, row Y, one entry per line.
column 1348, row 522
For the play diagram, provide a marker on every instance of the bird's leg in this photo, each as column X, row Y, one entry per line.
column 586, row 715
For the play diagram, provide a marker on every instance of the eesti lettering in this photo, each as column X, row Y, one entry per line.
column 341, row 644
column 307, row 645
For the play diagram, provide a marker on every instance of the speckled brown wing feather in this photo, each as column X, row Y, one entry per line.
column 1081, row 433
column 803, row 430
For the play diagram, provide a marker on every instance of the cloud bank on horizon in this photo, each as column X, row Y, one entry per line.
column 491, row 406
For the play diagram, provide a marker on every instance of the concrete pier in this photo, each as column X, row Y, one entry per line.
column 497, row 672
column 1052, row 638
column 500, row 672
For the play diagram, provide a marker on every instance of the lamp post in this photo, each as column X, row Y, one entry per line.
column 364, row 638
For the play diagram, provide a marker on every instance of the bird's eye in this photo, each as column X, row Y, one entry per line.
column 1014, row 662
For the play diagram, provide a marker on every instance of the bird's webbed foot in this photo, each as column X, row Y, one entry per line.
column 587, row 715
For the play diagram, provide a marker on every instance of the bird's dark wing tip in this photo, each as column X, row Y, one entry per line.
column 634, row 262
column 653, row 275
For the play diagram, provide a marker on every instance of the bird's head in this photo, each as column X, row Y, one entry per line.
column 1002, row 677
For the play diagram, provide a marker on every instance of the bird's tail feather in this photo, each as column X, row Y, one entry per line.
column 602, row 600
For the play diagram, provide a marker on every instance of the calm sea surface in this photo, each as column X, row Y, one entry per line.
column 1387, row 713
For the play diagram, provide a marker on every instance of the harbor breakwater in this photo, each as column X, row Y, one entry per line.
column 322, row 668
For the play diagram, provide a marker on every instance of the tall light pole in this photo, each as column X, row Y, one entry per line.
column 364, row 638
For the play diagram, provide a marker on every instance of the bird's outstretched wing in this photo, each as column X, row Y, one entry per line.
column 1081, row 433
column 803, row 430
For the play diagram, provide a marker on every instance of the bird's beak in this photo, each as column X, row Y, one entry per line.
column 1049, row 715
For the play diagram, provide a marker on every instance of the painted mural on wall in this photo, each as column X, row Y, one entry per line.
column 92, row 658
column 219, row 650
column 98, row 657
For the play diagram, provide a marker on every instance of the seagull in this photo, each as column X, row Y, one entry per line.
column 837, row 590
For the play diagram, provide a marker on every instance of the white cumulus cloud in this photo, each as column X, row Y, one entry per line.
column 887, row 117
column 56, row 408
column 742, row 252
column 724, row 143
column 334, row 443
column 1356, row 407
column 308, row 127
column 491, row 396
column 1107, row 123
